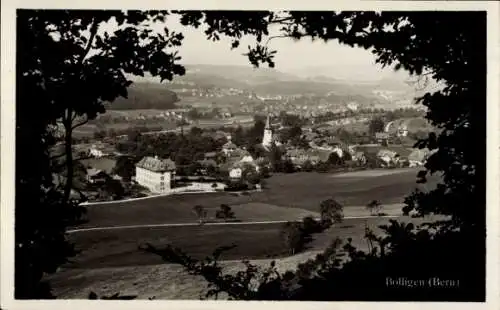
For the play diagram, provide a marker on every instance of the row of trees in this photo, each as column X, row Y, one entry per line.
column 184, row 149
column 296, row 235
column 133, row 130
column 379, row 113
column 224, row 213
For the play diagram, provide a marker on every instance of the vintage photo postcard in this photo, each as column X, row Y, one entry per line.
column 205, row 154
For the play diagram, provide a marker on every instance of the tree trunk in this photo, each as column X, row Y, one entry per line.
column 69, row 156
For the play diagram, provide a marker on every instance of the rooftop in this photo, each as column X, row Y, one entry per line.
column 229, row 145
column 93, row 172
column 207, row 162
column 210, row 154
column 156, row 164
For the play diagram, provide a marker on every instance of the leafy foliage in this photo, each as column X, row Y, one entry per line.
column 200, row 212
column 70, row 69
column 374, row 207
column 311, row 226
column 331, row 211
column 225, row 212
column 124, row 167
column 375, row 125
column 334, row 159
column 113, row 188
column 294, row 236
column 184, row 149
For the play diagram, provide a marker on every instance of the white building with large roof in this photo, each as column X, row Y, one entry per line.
column 155, row 173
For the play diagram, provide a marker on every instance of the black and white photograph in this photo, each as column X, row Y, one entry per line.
column 250, row 154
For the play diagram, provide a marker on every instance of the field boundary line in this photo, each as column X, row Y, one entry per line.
column 205, row 224
column 89, row 204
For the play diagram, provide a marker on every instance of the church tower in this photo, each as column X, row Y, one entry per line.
column 267, row 139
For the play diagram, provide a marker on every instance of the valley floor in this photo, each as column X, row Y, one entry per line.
column 111, row 261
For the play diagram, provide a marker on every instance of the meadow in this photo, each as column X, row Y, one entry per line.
column 286, row 197
column 110, row 260
column 119, row 247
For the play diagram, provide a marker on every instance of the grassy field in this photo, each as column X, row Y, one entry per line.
column 119, row 247
column 288, row 197
column 105, row 164
column 110, row 261
column 88, row 130
column 353, row 127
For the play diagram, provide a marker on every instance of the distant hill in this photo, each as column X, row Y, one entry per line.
column 244, row 74
column 266, row 81
column 385, row 91
column 262, row 81
column 144, row 95
column 297, row 87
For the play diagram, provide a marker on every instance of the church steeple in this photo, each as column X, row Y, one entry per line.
column 268, row 123
column 267, row 139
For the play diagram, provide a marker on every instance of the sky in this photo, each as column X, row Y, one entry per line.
column 303, row 57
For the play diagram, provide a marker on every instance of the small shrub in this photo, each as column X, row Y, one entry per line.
column 331, row 211
column 325, row 223
column 310, row 225
column 225, row 212
column 374, row 207
column 219, row 214
column 236, row 187
column 293, row 236
column 200, row 212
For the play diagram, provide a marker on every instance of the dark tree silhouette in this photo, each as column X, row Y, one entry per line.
column 294, row 237
column 124, row 167
column 225, row 212
column 376, row 125
column 374, row 207
column 334, row 159
column 114, row 188
column 70, row 75
column 331, row 211
column 200, row 213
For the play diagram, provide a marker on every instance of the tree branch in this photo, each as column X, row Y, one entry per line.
column 275, row 37
column 81, row 123
column 93, row 33
column 430, row 72
column 281, row 20
column 57, row 156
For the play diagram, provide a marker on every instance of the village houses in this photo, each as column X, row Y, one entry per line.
column 229, row 147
